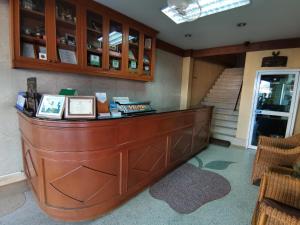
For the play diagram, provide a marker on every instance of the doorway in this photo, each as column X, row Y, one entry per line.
column 275, row 104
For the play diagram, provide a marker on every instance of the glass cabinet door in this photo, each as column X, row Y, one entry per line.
column 133, row 51
column 115, row 45
column 147, row 56
column 66, row 40
column 32, row 29
column 94, row 39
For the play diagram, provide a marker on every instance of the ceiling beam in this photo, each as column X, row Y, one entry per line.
column 230, row 49
column 169, row 48
column 247, row 47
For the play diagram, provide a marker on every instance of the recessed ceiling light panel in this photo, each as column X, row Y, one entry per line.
column 204, row 8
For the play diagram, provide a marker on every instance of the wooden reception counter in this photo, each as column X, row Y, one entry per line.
column 79, row 170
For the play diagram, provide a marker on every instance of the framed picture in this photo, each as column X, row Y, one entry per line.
column 21, row 100
column 67, row 56
column 51, row 106
column 133, row 64
column 95, row 60
column 28, row 50
column 80, row 107
column 148, row 43
column 115, row 64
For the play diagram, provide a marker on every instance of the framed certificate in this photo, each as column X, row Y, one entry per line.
column 67, row 56
column 80, row 107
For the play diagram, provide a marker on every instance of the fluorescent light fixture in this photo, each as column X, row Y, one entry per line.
column 115, row 38
column 207, row 7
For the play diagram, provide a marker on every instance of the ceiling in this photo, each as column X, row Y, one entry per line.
column 266, row 20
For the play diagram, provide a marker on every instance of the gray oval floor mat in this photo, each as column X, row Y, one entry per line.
column 188, row 188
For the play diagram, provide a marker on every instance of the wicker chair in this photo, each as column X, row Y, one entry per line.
column 274, row 213
column 275, row 152
column 279, row 199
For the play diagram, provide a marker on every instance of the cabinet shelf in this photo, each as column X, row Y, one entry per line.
column 66, row 47
column 115, row 54
column 65, row 23
column 136, row 45
column 33, row 40
column 94, row 31
column 32, row 13
column 95, row 51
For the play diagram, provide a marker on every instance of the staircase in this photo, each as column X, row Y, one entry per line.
column 223, row 96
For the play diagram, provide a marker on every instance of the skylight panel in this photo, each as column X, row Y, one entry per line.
column 207, row 7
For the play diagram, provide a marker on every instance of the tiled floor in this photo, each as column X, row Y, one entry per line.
column 234, row 209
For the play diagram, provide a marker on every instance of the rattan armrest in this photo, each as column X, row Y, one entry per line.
column 281, row 170
column 282, row 151
column 285, row 143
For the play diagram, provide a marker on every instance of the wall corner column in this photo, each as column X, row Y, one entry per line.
column 186, row 82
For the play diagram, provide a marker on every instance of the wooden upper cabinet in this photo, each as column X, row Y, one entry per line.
column 80, row 37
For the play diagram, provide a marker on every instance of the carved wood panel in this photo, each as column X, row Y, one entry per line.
column 201, row 129
column 146, row 161
column 181, row 144
column 201, row 136
column 30, row 166
column 80, row 184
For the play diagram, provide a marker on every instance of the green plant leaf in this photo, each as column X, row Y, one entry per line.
column 218, row 165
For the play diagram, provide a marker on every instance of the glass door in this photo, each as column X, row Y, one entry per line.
column 147, row 56
column 32, row 29
column 66, row 28
column 115, row 45
column 275, row 105
column 133, row 50
column 94, row 39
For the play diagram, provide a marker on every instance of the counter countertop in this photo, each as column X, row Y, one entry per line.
column 159, row 110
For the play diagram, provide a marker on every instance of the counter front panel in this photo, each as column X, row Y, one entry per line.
column 80, row 170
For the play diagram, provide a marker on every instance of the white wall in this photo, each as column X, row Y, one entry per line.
column 164, row 91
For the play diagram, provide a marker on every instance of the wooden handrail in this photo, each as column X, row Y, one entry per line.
column 237, row 100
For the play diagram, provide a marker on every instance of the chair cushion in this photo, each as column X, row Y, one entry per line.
column 282, row 207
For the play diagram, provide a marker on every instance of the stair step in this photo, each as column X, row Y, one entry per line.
column 234, row 70
column 228, row 82
column 220, row 105
column 220, row 100
column 226, row 112
column 230, row 79
column 223, row 130
column 224, row 89
column 220, row 87
column 224, row 117
column 233, row 74
column 225, row 124
column 221, row 94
